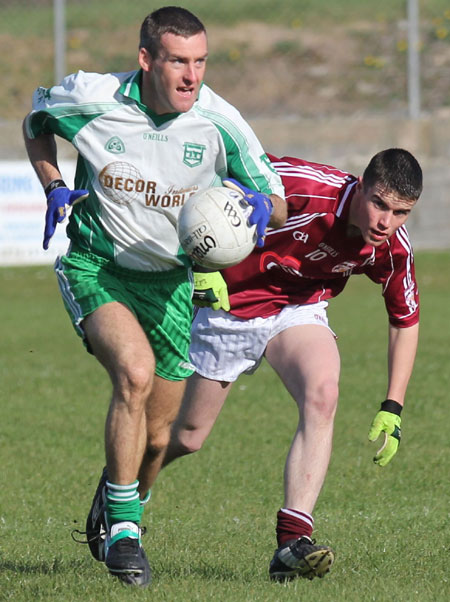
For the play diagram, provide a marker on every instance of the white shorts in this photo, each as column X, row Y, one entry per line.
column 223, row 346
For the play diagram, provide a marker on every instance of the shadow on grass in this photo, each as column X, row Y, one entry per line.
column 54, row 566
column 202, row 570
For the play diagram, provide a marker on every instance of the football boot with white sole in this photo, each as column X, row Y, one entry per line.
column 125, row 557
column 300, row 558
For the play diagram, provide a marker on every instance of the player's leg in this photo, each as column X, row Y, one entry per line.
column 222, row 348
column 97, row 301
column 307, row 361
column 161, row 302
column 119, row 343
column 138, row 325
column 202, row 402
column 162, row 409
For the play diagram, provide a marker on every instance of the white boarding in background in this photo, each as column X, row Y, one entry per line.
column 22, row 215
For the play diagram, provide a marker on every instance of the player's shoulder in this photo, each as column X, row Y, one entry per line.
column 396, row 253
column 298, row 166
column 85, row 86
column 101, row 82
column 212, row 105
column 398, row 243
column 321, row 187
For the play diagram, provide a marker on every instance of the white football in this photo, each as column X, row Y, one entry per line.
column 213, row 229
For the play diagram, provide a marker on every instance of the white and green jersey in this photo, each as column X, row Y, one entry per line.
column 140, row 167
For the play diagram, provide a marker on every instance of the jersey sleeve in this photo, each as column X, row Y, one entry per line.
column 67, row 107
column 396, row 273
column 249, row 165
column 316, row 185
column 246, row 160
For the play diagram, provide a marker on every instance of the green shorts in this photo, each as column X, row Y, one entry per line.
column 161, row 302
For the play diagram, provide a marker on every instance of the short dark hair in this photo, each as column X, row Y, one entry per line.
column 397, row 171
column 169, row 19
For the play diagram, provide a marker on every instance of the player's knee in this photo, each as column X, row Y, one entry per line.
column 181, row 446
column 323, row 400
column 157, row 444
column 187, row 441
column 135, row 383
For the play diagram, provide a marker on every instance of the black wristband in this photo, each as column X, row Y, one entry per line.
column 389, row 405
column 58, row 183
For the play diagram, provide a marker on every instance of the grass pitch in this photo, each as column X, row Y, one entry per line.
column 211, row 521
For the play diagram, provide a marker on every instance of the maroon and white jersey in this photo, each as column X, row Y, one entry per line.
column 311, row 257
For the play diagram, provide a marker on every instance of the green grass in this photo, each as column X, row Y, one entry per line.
column 23, row 18
column 212, row 517
column 299, row 57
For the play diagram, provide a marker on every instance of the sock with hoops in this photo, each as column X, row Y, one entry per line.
column 122, row 503
column 292, row 524
column 143, row 502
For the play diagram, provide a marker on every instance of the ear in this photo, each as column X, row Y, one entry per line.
column 144, row 59
column 359, row 191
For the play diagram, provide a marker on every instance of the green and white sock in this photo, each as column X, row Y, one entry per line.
column 122, row 503
column 143, row 502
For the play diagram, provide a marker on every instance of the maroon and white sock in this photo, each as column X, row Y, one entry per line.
column 292, row 524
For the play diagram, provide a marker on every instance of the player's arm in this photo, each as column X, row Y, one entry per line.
column 395, row 271
column 279, row 213
column 42, row 153
column 401, row 355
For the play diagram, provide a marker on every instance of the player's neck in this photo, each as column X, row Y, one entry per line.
column 352, row 231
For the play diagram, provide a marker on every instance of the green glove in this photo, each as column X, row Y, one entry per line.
column 210, row 290
column 387, row 421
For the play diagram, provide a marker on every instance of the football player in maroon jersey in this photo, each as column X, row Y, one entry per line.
column 337, row 225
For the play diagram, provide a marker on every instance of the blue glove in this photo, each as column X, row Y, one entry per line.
column 58, row 199
column 262, row 207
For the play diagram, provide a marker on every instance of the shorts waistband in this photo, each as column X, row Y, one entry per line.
column 180, row 273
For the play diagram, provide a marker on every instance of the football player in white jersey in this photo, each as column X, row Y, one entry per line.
column 146, row 141
column 337, row 225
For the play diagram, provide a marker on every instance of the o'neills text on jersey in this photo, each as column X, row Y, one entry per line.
column 157, row 137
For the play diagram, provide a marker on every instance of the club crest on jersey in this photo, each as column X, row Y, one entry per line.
column 115, row 145
column 43, row 93
column 193, row 154
column 271, row 260
column 410, row 297
column 346, row 266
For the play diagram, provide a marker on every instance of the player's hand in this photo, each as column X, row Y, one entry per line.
column 58, row 200
column 210, row 290
column 388, row 423
column 262, row 207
